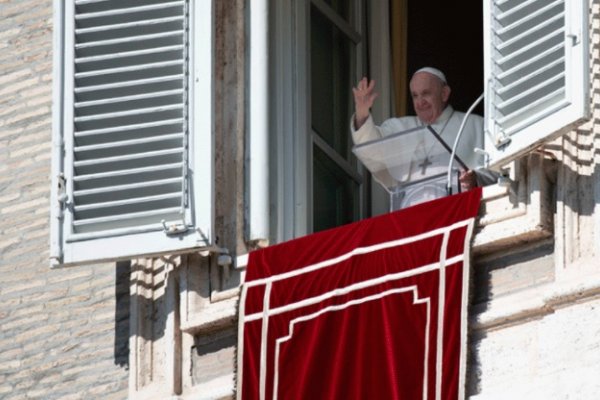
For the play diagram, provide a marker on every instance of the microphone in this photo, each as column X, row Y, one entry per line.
column 453, row 154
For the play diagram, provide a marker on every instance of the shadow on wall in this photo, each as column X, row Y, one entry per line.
column 122, row 305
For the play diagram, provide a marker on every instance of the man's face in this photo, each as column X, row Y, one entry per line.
column 429, row 96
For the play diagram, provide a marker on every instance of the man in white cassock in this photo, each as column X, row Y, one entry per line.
column 430, row 93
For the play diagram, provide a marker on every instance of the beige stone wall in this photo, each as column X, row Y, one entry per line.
column 556, row 356
column 63, row 333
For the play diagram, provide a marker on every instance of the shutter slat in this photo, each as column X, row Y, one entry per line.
column 135, row 185
column 84, row 2
column 138, row 67
column 531, row 108
column 136, row 82
column 144, row 96
column 149, row 110
column 128, row 157
column 130, row 229
column 529, row 91
column 529, row 32
column 124, row 128
column 135, row 200
column 103, row 28
column 130, row 10
column 516, row 69
column 527, row 49
column 122, row 143
column 124, row 54
column 527, row 17
column 553, row 103
column 131, row 171
column 111, row 225
column 128, row 216
column 526, row 78
column 129, row 39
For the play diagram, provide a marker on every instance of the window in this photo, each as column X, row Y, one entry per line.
column 335, row 182
column 535, row 77
column 536, row 73
column 132, row 168
column 318, row 55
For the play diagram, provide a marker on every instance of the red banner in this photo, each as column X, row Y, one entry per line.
column 372, row 310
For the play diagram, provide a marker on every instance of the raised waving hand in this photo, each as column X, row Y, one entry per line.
column 364, row 97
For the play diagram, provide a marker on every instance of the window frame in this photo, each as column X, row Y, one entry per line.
column 130, row 245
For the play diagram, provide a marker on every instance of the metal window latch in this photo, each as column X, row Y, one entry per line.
column 575, row 38
column 173, row 229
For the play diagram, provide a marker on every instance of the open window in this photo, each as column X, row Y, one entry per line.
column 536, row 73
column 334, row 61
column 530, row 57
column 318, row 52
column 132, row 162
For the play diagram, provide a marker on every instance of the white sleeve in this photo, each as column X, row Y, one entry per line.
column 368, row 131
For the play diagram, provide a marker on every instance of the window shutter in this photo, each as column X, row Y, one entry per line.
column 536, row 69
column 127, row 132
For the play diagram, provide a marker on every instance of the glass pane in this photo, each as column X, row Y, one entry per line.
column 335, row 194
column 332, row 66
column 342, row 7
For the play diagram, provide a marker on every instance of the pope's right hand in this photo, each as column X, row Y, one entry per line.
column 364, row 97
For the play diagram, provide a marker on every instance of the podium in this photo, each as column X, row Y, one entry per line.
column 411, row 165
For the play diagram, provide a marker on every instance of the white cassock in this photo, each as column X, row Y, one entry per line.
column 447, row 126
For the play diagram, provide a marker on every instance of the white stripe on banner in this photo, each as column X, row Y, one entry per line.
column 463, row 312
column 440, row 328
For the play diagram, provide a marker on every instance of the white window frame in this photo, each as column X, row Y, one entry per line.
column 200, row 157
column 502, row 149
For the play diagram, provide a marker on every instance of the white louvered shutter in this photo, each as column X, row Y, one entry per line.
column 536, row 71
column 127, row 134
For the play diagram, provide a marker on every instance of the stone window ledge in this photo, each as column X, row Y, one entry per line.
column 520, row 213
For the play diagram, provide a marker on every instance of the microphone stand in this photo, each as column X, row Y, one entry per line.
column 452, row 155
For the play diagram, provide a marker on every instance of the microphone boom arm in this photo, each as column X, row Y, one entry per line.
column 452, row 155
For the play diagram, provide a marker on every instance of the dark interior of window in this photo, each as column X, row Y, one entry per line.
column 448, row 36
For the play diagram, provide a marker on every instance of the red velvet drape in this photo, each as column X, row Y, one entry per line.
column 370, row 310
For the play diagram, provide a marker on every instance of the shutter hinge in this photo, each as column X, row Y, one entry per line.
column 62, row 189
column 61, row 195
column 173, row 229
column 501, row 139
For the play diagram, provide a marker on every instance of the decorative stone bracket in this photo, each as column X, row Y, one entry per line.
column 522, row 212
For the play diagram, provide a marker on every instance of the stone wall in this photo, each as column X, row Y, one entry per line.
column 63, row 333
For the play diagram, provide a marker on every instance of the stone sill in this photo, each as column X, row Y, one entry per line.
column 521, row 213
column 219, row 315
column 535, row 302
column 513, row 225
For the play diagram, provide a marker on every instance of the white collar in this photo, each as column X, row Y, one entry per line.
column 444, row 116
column 447, row 113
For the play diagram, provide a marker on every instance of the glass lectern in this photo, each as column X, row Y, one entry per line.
column 411, row 165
